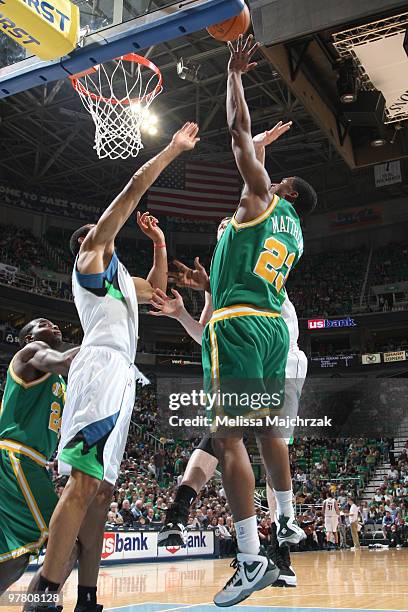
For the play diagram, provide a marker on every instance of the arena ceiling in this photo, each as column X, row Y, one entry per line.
column 47, row 135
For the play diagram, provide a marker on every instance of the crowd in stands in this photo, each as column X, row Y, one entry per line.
column 329, row 283
column 388, row 508
column 321, row 285
column 389, row 264
column 153, row 467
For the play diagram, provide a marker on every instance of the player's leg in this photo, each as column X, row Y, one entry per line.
column 93, row 452
column 91, row 541
column 226, row 358
column 65, row 524
column 27, row 500
column 35, row 580
column 93, row 525
column 254, row 569
column 279, row 554
column 329, row 533
column 200, row 468
column 275, row 456
column 273, row 448
column 295, row 375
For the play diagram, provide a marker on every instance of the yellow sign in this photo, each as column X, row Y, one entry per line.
column 49, row 29
column 394, row 356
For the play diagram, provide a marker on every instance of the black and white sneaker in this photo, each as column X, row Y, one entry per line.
column 287, row 574
column 288, row 531
column 252, row 573
column 173, row 532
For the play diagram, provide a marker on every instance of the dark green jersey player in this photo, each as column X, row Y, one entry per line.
column 30, row 418
column 245, row 344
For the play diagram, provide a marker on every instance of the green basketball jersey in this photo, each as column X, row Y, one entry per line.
column 31, row 412
column 252, row 260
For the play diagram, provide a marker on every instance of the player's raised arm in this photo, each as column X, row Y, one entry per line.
column 40, row 356
column 239, row 121
column 157, row 277
column 118, row 212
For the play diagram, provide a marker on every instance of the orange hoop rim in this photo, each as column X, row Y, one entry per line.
column 129, row 57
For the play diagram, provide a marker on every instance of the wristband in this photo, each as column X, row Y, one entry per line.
column 160, row 246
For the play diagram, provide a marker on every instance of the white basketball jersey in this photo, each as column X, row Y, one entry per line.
column 329, row 507
column 107, row 309
column 291, row 320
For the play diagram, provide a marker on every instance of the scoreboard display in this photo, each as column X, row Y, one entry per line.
column 335, row 361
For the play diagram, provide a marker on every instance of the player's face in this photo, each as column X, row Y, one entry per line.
column 285, row 189
column 48, row 332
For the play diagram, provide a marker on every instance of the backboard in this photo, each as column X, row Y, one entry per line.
column 110, row 29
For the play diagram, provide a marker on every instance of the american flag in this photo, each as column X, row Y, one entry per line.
column 193, row 189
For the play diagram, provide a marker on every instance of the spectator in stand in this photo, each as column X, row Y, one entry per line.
column 226, row 541
column 203, row 517
column 394, row 536
column 150, row 518
column 387, row 522
column 159, row 459
column 392, row 473
column 126, row 514
column 114, row 518
column 137, row 509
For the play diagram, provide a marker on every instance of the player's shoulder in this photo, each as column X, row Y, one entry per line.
column 29, row 350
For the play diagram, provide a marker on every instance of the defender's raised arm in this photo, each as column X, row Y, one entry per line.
column 118, row 212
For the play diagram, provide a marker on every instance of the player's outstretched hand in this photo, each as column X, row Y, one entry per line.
column 186, row 138
column 187, row 277
column 150, row 226
column 269, row 136
column 166, row 306
column 241, row 54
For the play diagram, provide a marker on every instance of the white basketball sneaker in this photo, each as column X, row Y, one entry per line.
column 252, row 573
column 288, row 531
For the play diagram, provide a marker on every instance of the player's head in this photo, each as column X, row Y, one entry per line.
column 222, row 226
column 43, row 330
column 298, row 192
column 78, row 237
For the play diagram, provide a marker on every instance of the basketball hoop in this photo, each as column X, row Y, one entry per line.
column 118, row 101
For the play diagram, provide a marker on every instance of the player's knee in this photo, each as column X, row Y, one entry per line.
column 82, row 487
column 104, row 495
column 222, row 446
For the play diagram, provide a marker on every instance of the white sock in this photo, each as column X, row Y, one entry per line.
column 247, row 536
column 284, row 503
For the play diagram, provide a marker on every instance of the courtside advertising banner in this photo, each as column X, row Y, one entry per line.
column 198, row 543
column 395, row 356
column 370, row 358
column 129, row 546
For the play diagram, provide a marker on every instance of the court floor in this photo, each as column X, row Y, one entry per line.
column 327, row 581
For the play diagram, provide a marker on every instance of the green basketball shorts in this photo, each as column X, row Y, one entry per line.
column 244, row 354
column 27, row 500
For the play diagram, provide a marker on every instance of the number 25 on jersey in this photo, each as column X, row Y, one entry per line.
column 272, row 260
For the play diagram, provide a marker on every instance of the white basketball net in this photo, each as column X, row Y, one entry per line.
column 118, row 102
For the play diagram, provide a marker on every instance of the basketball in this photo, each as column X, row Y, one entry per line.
column 231, row 28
